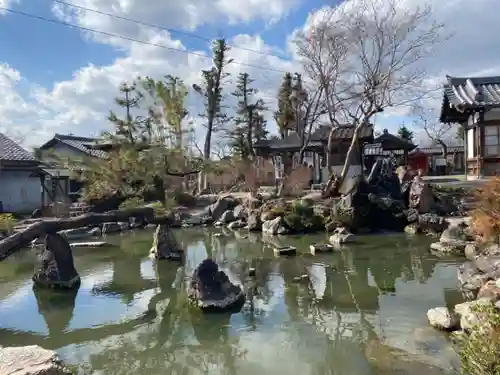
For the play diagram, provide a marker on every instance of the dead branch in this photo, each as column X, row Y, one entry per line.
column 13, row 243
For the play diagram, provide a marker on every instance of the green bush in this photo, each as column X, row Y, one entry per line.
column 479, row 352
column 302, row 209
column 132, row 203
column 7, row 223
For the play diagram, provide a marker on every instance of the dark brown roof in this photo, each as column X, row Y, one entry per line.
column 466, row 94
column 11, row 151
column 390, row 141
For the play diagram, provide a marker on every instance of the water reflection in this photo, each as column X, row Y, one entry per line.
column 334, row 319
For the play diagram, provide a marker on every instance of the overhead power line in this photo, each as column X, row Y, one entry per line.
column 123, row 37
column 162, row 28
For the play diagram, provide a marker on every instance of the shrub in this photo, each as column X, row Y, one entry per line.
column 302, row 208
column 7, row 223
column 131, row 203
column 486, row 215
column 479, row 353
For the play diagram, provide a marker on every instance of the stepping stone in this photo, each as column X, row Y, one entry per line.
column 285, row 250
column 320, row 248
column 89, row 244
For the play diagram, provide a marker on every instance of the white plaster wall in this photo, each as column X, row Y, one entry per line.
column 470, row 144
column 492, row 114
column 19, row 192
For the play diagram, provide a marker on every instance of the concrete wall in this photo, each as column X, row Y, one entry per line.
column 19, row 192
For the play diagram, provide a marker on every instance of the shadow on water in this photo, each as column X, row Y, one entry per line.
column 355, row 311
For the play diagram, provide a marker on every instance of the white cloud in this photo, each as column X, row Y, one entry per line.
column 7, row 4
column 80, row 104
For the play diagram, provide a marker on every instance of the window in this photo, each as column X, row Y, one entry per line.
column 492, row 140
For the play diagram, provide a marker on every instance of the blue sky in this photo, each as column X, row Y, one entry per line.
column 68, row 82
column 46, row 52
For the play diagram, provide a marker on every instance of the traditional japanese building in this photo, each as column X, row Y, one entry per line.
column 316, row 150
column 474, row 103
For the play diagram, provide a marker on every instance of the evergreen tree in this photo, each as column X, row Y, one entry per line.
column 285, row 115
column 211, row 91
column 405, row 133
column 249, row 124
column 127, row 129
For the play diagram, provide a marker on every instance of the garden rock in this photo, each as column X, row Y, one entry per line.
column 55, row 267
column 31, row 360
column 470, row 280
column 274, row 226
column 227, row 217
column 165, row 246
column 341, row 236
column 253, row 222
column 421, row 196
column 223, row 204
column 443, row 318
column 236, row 225
column 240, row 212
column 211, row 290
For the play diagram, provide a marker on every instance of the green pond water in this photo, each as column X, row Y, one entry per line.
column 362, row 311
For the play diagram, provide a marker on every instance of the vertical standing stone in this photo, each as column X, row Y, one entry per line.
column 55, row 267
column 165, row 246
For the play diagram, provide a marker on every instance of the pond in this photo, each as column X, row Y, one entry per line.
column 361, row 311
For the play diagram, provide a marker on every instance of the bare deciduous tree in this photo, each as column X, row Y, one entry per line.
column 365, row 54
column 436, row 131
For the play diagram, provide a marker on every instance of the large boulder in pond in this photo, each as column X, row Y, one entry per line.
column 54, row 266
column 31, row 360
column 212, row 291
column 373, row 204
column 223, row 204
column 165, row 246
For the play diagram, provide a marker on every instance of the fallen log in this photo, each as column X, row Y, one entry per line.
column 17, row 241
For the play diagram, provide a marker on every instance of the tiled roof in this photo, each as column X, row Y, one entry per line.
column 342, row 132
column 377, row 150
column 81, row 144
column 473, row 91
column 468, row 93
column 392, row 142
column 11, row 151
column 438, row 150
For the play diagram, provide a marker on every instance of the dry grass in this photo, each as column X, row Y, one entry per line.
column 486, row 215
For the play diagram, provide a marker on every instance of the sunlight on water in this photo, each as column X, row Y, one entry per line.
column 361, row 311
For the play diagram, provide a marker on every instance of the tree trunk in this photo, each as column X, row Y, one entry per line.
column 12, row 244
column 444, row 148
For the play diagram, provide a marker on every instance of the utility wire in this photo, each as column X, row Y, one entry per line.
column 158, row 27
column 41, row 18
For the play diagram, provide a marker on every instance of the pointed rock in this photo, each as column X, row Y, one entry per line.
column 55, row 267
column 165, row 246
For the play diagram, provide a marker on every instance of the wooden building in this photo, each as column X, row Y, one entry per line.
column 59, row 184
column 20, row 175
column 387, row 145
column 316, row 151
column 474, row 103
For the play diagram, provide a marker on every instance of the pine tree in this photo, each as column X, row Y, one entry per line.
column 285, row 115
column 249, row 123
column 405, row 133
column 169, row 97
column 126, row 129
column 211, row 91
